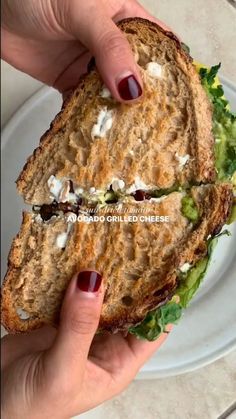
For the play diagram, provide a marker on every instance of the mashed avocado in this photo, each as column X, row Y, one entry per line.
column 224, row 123
column 189, row 208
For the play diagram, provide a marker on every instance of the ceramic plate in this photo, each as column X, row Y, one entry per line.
column 207, row 330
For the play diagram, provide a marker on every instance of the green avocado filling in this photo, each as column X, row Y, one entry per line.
column 232, row 217
column 224, row 124
column 156, row 321
column 189, row 208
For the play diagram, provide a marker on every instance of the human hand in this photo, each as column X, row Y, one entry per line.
column 57, row 374
column 53, row 41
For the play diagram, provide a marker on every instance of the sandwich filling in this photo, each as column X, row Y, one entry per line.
column 190, row 277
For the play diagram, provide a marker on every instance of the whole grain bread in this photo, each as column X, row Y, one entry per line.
column 139, row 261
column 164, row 140
column 148, row 139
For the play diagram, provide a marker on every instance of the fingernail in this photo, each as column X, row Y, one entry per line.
column 129, row 88
column 89, row 281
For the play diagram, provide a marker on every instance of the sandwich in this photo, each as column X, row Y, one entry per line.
column 137, row 192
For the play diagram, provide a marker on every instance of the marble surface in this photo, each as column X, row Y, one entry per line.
column 209, row 28
column 204, row 394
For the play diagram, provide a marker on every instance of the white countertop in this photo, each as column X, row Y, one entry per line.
column 209, row 28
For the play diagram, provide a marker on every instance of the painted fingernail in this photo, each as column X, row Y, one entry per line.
column 89, row 281
column 129, row 88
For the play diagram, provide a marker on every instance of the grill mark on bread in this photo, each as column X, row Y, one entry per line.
column 80, row 112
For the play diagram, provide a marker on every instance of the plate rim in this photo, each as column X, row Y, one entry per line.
column 190, row 366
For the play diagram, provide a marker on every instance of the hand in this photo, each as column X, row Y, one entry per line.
column 58, row 374
column 53, row 40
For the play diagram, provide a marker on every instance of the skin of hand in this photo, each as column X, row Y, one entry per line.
column 60, row 373
column 53, row 40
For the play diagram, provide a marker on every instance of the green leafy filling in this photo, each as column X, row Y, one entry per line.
column 156, row 321
column 224, row 124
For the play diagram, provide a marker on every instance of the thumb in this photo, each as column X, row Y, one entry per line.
column 80, row 315
column 114, row 58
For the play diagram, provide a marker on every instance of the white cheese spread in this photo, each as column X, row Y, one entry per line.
column 60, row 190
column 79, row 191
column 63, row 237
column 158, row 199
column 117, row 184
column 104, row 123
column 154, row 70
column 182, row 159
column 105, row 92
column 185, row 267
column 138, row 184
column 38, row 218
column 22, row 314
column 55, row 186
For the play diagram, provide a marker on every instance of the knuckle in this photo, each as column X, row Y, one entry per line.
column 83, row 322
column 114, row 42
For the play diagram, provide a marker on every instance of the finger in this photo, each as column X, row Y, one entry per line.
column 113, row 54
column 79, row 321
column 143, row 350
column 15, row 346
column 69, row 78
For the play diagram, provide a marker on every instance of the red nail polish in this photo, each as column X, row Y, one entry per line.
column 89, row 281
column 129, row 88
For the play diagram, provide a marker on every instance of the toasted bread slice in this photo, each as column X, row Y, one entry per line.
column 164, row 139
column 139, row 261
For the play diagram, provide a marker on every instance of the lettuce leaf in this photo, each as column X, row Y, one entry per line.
column 156, row 321
column 224, row 124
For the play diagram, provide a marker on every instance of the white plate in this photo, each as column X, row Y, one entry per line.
column 207, row 330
